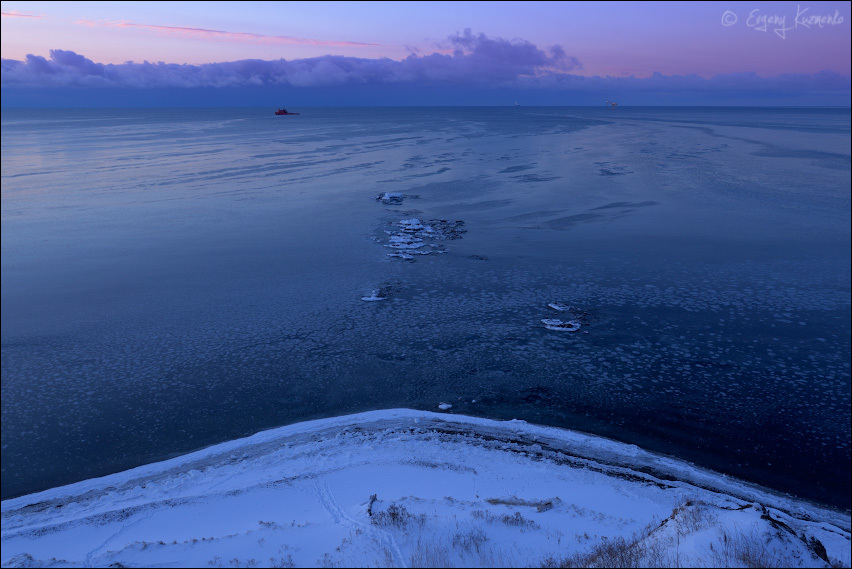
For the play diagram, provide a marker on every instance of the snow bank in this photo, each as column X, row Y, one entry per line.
column 402, row 487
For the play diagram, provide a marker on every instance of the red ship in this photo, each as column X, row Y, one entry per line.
column 284, row 112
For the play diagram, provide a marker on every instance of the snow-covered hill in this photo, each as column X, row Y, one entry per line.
column 413, row 488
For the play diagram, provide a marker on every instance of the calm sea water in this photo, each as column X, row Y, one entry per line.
column 177, row 278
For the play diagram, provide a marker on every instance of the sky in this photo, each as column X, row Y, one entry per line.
column 403, row 53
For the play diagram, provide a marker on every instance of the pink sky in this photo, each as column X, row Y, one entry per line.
column 615, row 38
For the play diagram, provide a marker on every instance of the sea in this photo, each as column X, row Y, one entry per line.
column 175, row 278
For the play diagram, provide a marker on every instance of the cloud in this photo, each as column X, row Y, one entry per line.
column 221, row 35
column 519, row 57
column 476, row 59
column 472, row 61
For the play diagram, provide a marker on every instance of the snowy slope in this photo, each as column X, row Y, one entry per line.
column 413, row 488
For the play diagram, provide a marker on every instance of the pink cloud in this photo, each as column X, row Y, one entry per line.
column 221, row 35
column 19, row 15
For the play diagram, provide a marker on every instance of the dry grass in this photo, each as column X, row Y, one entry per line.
column 396, row 516
column 658, row 545
column 539, row 505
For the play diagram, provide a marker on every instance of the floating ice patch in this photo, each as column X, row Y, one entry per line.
column 375, row 295
column 443, row 229
column 444, row 406
column 403, row 241
column 433, row 229
column 390, row 198
column 560, row 306
column 411, row 224
column 382, row 293
column 554, row 324
column 412, row 232
column 403, row 238
column 404, row 256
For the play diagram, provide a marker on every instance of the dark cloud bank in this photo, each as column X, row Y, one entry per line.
column 479, row 71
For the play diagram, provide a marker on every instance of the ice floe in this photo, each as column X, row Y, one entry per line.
column 410, row 235
column 390, row 198
column 410, row 224
column 408, row 238
column 576, row 318
column 394, row 198
column 402, row 241
column 375, row 295
column 556, row 324
column 433, row 228
column 381, row 293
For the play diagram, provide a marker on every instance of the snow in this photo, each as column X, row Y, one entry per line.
column 413, row 488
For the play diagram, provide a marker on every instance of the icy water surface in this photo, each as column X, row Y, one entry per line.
column 176, row 278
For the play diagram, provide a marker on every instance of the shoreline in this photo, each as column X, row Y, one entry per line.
column 557, row 442
column 441, row 467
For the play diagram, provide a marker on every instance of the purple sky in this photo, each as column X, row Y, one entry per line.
column 542, row 52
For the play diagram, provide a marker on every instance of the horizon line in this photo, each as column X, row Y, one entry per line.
column 508, row 106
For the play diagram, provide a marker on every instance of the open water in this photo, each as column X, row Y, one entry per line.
column 177, row 278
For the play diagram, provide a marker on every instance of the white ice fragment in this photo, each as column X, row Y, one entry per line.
column 403, row 241
column 373, row 296
column 403, row 238
column 444, row 406
column 405, row 256
column 412, row 224
column 561, row 306
column 554, row 324
column 390, row 198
